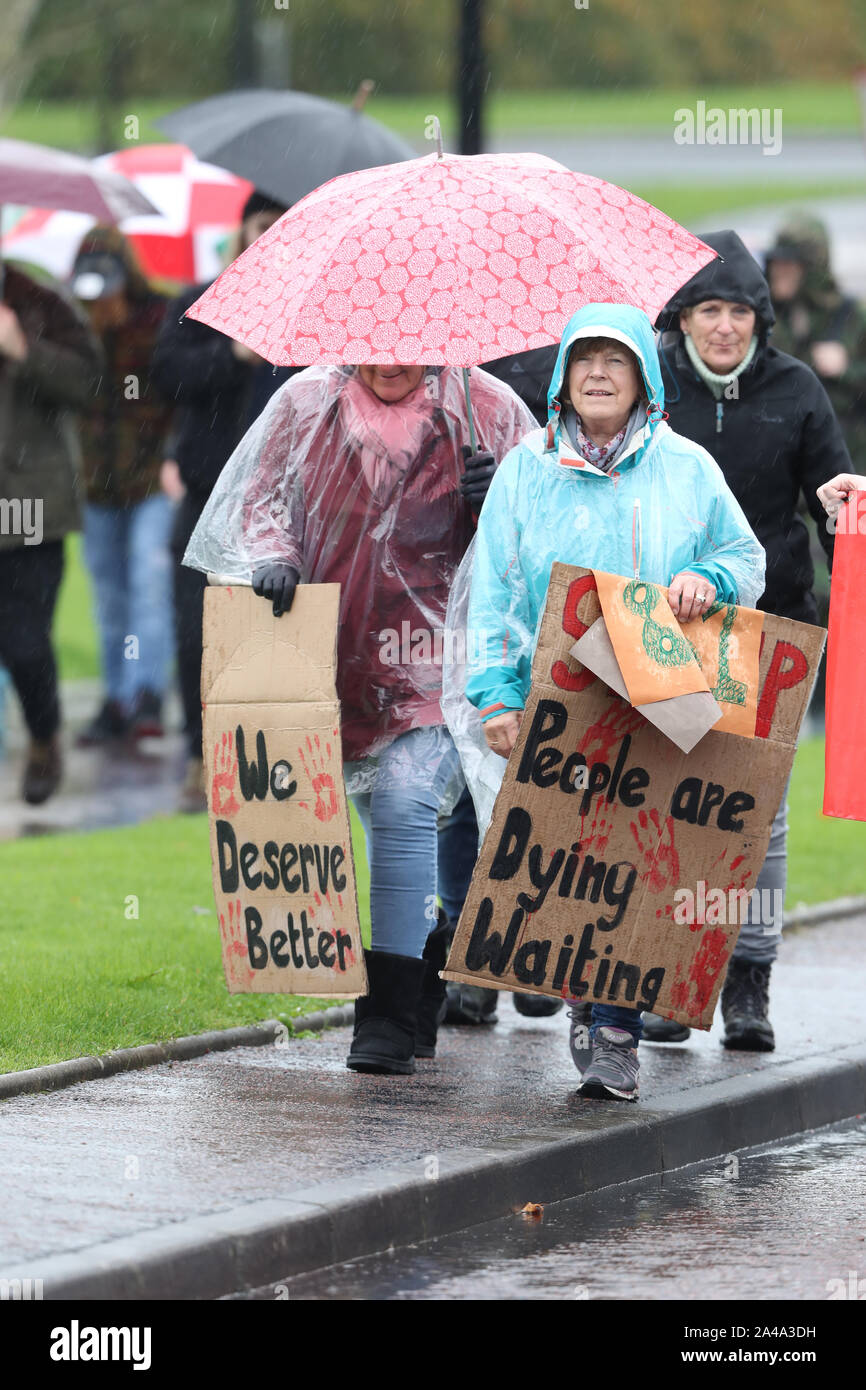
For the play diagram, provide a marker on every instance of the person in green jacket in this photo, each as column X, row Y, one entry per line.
column 50, row 365
column 817, row 322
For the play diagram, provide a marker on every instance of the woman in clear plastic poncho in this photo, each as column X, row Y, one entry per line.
column 357, row 476
column 607, row 485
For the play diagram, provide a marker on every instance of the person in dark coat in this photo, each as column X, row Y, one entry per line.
column 528, row 374
column 50, row 364
column 767, row 421
column 127, row 517
column 220, row 387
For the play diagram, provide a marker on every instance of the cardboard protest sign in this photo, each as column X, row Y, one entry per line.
column 617, row 868
column 283, row 873
column 845, row 753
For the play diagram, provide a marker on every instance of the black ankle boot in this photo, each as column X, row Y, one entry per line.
column 431, row 1009
column 745, row 1005
column 386, row 1018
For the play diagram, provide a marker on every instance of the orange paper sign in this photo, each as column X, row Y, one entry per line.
column 660, row 658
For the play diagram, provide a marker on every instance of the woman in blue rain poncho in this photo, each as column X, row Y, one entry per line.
column 607, row 485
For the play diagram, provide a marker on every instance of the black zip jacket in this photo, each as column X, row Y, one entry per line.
column 776, row 436
column 217, row 396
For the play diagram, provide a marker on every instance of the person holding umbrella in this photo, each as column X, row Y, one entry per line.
column 606, row 484
column 358, row 476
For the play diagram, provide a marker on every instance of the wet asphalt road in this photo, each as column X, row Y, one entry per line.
column 786, row 1221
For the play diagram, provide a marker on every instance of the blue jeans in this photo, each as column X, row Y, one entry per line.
column 761, row 932
column 412, row 850
column 127, row 553
column 612, row 1016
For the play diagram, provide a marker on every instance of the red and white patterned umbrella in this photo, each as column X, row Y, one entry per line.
column 446, row 259
column 199, row 205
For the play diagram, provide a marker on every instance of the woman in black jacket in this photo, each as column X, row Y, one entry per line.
column 767, row 421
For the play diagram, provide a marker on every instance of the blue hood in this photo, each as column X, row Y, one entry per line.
column 623, row 323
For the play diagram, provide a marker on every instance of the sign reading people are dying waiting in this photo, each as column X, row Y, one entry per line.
column 603, row 824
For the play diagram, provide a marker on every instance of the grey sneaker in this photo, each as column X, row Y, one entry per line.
column 614, row 1068
column 579, row 1040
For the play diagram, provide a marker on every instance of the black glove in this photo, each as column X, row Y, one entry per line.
column 478, row 475
column 278, row 582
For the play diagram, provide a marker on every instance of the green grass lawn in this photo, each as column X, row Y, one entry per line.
column 77, row 977
column 824, row 107
column 74, row 627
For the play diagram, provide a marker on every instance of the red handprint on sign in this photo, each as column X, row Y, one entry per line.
column 235, row 953
column 225, row 767
column 661, row 860
column 322, row 782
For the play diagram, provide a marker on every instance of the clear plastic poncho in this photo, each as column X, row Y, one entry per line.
column 664, row 508
column 351, row 490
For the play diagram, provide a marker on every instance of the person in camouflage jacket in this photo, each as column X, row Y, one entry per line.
column 817, row 322
column 127, row 518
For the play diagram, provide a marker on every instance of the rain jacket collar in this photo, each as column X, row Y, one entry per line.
column 624, row 324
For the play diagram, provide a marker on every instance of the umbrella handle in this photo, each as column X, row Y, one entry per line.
column 473, row 438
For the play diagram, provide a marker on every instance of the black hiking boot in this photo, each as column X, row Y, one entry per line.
column 386, row 1018
column 536, row 1005
column 43, row 771
column 431, row 1009
column 109, row 723
column 664, row 1030
column 745, row 1006
column 470, row 1004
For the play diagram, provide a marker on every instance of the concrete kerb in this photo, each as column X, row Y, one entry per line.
column 265, row 1241
column 59, row 1074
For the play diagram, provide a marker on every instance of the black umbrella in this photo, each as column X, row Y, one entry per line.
column 285, row 143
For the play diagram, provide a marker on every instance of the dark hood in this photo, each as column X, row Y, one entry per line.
column 735, row 276
column 805, row 239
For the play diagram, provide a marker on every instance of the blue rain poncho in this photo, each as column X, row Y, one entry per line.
column 664, row 508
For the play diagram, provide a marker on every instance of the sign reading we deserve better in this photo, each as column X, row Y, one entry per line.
column 602, row 821
column 281, row 849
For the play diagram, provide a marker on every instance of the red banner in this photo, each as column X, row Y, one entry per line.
column 845, row 757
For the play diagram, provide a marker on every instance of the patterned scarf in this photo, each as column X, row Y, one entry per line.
column 388, row 437
column 603, row 456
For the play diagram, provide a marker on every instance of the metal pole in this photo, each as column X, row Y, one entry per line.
column 242, row 57
column 471, row 77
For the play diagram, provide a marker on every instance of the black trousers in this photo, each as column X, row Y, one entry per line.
column 30, row 578
column 189, row 587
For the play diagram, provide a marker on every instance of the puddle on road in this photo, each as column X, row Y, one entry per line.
column 778, row 1222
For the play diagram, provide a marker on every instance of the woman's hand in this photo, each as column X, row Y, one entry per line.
column 690, row 595
column 277, row 583
column 834, row 494
column 501, row 731
column 170, row 480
